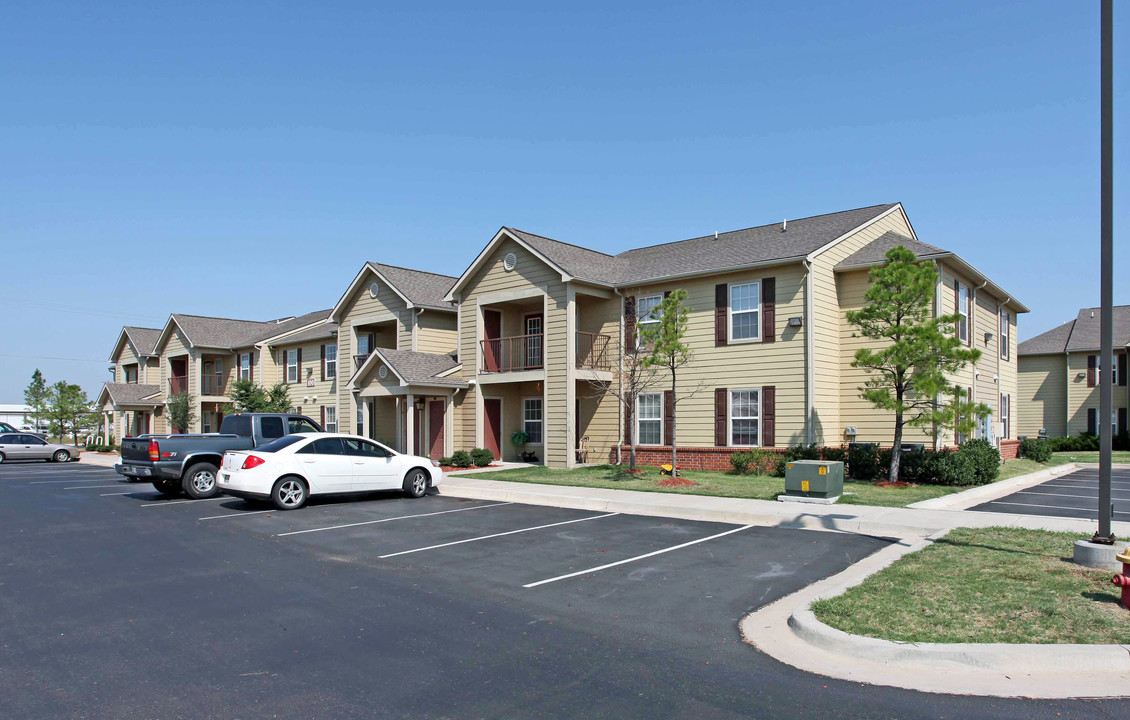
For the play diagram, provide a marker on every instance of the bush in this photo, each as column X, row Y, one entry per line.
column 863, row 461
column 1083, row 442
column 834, row 454
column 461, row 459
column 740, row 462
column 482, row 457
column 1121, row 441
column 1036, row 449
column 755, row 461
column 984, row 460
column 445, row 461
column 802, row 452
column 951, row 467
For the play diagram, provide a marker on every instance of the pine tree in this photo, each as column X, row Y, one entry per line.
column 37, row 397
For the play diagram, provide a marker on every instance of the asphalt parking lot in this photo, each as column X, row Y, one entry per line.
column 1074, row 495
column 118, row 603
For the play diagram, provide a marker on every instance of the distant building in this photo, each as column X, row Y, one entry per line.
column 16, row 415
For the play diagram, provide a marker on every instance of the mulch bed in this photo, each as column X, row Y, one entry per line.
column 888, row 483
column 675, row 482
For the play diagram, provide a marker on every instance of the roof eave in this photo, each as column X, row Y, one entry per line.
column 507, row 232
column 708, row 273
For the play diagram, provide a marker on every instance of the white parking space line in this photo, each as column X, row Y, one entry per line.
column 400, row 517
column 638, row 557
column 1061, row 494
column 1053, row 507
column 72, row 480
column 93, row 487
column 236, row 514
column 501, row 534
column 121, row 493
column 183, row 502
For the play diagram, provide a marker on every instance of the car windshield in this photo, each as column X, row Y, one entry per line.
column 279, row 444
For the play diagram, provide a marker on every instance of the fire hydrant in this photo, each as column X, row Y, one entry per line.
column 1123, row 580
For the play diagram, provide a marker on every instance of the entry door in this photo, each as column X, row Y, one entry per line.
column 435, row 428
column 492, row 425
column 535, row 332
column 418, row 431
column 492, row 330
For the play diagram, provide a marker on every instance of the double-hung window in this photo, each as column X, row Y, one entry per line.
column 1113, row 370
column 962, row 311
column 649, row 419
column 532, row 420
column 245, row 366
column 292, row 366
column 745, row 311
column 1004, row 417
column 745, row 417
column 646, row 314
column 1005, row 340
column 331, row 418
column 331, row 362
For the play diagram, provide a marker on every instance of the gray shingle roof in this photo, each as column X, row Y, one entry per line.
column 739, row 248
column 231, row 333
column 422, row 368
column 132, row 393
column 144, row 339
column 1079, row 334
column 876, row 251
column 321, row 331
column 424, row 289
column 284, row 326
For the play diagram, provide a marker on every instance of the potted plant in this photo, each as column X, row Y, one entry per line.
column 520, row 438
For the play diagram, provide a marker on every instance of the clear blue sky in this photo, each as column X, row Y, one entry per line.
column 244, row 159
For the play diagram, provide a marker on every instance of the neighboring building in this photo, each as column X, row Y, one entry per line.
column 1059, row 377
column 542, row 322
column 18, row 416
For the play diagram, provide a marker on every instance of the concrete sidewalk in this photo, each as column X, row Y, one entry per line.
column 99, row 459
column 868, row 520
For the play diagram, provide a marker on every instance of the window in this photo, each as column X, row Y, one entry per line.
column 646, row 314
column 206, row 422
column 532, row 420
column 131, row 374
column 962, row 310
column 363, row 344
column 1004, row 417
column 1113, row 371
column 279, row 444
column 1005, row 341
column 534, row 329
column 9, row 439
column 364, row 448
column 649, row 419
column 271, row 427
column 323, row 446
column 292, row 366
column 331, row 418
column 745, row 308
column 331, row 362
column 300, row 425
column 360, row 419
column 245, row 366
column 745, row 426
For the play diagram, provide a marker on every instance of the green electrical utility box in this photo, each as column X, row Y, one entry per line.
column 814, row 479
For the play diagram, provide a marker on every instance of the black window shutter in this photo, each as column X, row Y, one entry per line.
column 323, row 417
column 1092, row 365
column 769, row 309
column 1092, row 425
column 721, row 410
column 629, row 325
column 251, row 365
column 298, row 352
column 668, row 416
column 1122, row 420
column 1122, row 369
column 769, row 416
column 721, row 300
column 323, row 351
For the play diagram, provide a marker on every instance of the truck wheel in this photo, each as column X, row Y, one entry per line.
column 289, row 493
column 200, row 481
column 168, row 488
column 416, row 483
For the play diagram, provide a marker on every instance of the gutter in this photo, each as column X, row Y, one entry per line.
column 809, row 350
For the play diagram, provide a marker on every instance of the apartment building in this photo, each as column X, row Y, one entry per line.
column 132, row 403
column 1059, row 377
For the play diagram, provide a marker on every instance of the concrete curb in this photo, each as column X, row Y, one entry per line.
column 100, row 460
column 975, row 496
column 789, row 631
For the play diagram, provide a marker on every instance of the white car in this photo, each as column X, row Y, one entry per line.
column 294, row 467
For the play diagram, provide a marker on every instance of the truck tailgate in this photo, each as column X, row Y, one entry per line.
column 135, row 450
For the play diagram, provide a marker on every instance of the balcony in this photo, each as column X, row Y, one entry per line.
column 513, row 354
column 592, row 351
column 178, row 384
column 214, row 385
column 359, row 360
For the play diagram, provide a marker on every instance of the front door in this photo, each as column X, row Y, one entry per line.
column 535, row 335
column 492, row 425
column 435, row 428
column 326, row 466
column 492, row 330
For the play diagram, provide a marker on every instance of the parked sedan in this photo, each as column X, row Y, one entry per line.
column 22, row 446
column 292, row 468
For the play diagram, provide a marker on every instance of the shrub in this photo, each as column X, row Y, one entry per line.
column 1121, row 441
column 1036, row 449
column 863, row 461
column 461, row 459
column 482, row 457
column 834, row 454
column 802, row 452
column 950, row 467
column 756, row 461
column 1083, row 442
column 915, row 466
column 445, row 461
column 984, row 461
column 740, row 462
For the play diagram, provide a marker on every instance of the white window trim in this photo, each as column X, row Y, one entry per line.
column 290, row 365
column 661, row 419
column 640, row 321
column 330, row 409
column 1005, row 412
column 541, row 422
column 730, row 339
column 963, row 311
column 730, row 416
column 331, row 363
column 1005, row 331
column 243, row 376
column 1114, row 370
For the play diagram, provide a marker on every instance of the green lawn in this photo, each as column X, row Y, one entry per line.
column 1023, row 466
column 986, row 585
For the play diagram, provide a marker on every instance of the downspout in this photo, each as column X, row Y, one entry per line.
column 809, row 349
column 1067, row 393
column 972, row 342
column 620, row 385
column 415, row 327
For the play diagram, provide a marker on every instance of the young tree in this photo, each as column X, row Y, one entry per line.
column 37, row 396
column 248, row 397
column 182, row 411
column 635, row 379
column 667, row 351
column 278, row 398
column 908, row 372
column 68, row 407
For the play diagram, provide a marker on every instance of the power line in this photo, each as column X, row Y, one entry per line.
column 59, row 307
column 49, row 357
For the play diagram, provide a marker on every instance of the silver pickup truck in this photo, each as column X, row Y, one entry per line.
column 188, row 463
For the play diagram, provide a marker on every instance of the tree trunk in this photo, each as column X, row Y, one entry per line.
column 896, row 450
column 631, row 437
column 674, row 450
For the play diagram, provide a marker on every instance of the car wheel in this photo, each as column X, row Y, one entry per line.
column 168, row 488
column 416, row 483
column 2, row 458
column 289, row 493
column 61, row 456
column 200, row 481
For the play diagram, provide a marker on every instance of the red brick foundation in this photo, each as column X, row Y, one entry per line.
column 690, row 458
column 1010, row 449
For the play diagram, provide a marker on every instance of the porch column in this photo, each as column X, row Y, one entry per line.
column 449, row 424
column 410, row 429
column 397, row 402
column 366, row 431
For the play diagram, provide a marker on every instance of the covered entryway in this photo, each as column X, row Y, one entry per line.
column 492, row 425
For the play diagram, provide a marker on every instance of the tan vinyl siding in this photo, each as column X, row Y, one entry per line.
column 152, row 373
column 600, row 412
column 301, row 394
column 124, row 358
column 827, row 325
column 436, row 332
column 1081, row 398
column 1041, row 399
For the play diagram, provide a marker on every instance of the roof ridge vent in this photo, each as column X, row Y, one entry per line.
column 784, row 225
column 715, row 234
